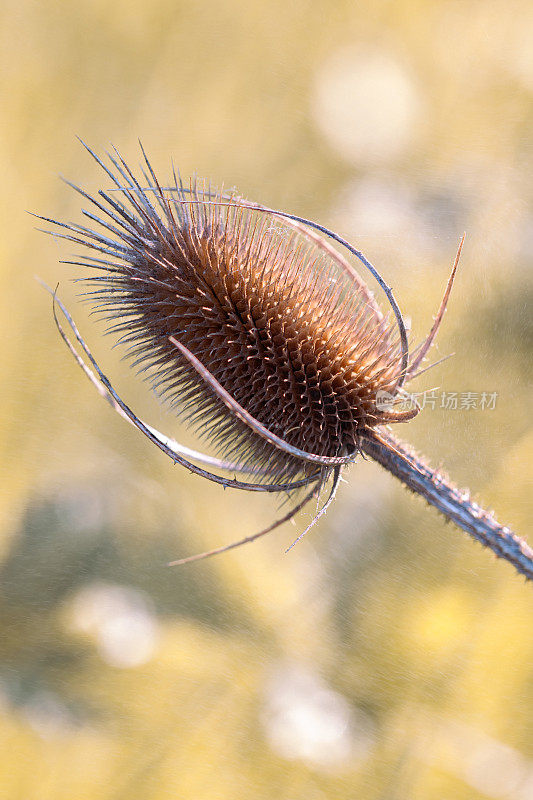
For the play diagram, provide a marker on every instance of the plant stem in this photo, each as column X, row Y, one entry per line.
column 456, row 505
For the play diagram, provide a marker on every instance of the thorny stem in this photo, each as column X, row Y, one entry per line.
column 399, row 459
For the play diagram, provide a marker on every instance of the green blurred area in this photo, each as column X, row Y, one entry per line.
column 387, row 656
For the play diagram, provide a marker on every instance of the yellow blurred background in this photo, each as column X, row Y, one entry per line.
column 387, row 656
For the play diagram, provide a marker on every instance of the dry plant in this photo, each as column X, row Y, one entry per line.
column 263, row 336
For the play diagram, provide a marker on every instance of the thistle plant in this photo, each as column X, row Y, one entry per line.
column 259, row 332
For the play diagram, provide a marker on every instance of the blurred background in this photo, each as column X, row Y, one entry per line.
column 387, row 656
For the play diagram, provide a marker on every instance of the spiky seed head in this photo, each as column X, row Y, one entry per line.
column 273, row 317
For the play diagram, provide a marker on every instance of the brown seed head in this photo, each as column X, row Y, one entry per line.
column 295, row 338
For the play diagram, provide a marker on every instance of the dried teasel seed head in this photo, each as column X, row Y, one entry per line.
column 276, row 320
